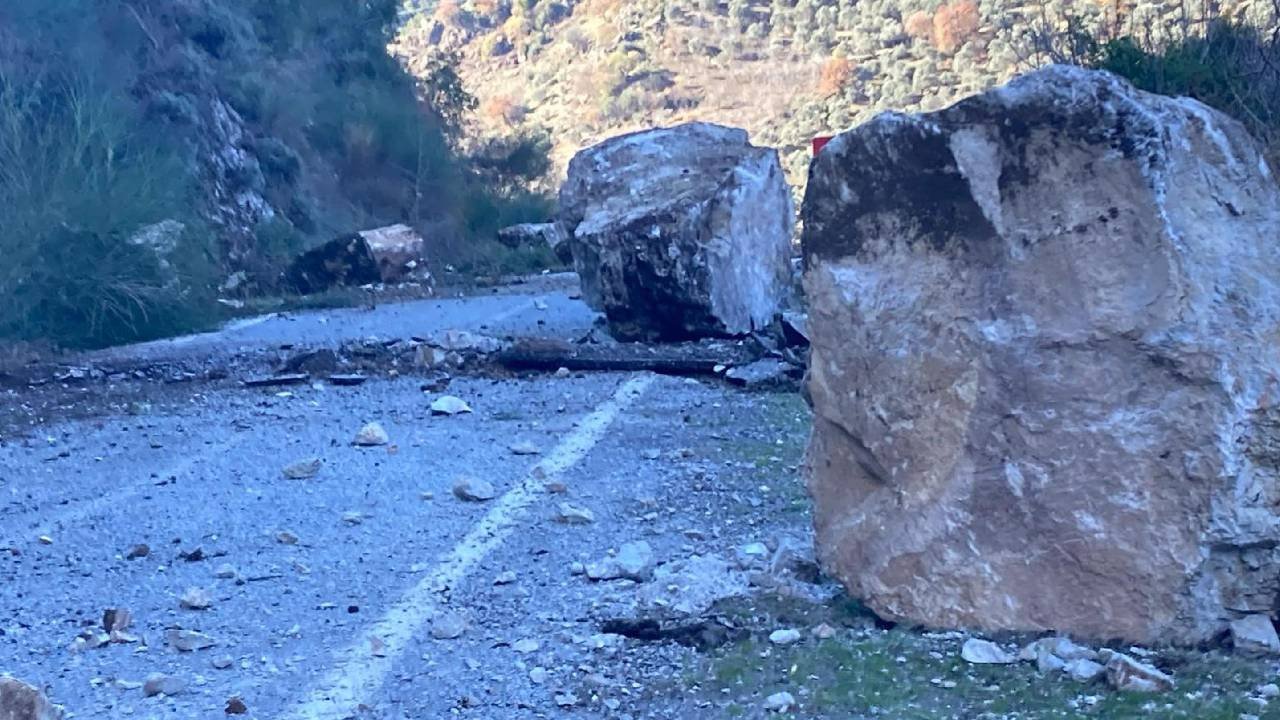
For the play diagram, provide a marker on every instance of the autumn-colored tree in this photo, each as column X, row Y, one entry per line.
column 954, row 24
column 835, row 76
column 919, row 24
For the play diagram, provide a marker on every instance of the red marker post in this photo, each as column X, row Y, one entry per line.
column 820, row 142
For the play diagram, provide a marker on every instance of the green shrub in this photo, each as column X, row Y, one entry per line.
column 78, row 182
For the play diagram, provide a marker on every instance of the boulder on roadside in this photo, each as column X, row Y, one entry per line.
column 533, row 235
column 398, row 251
column 1042, row 368
column 680, row 233
column 346, row 261
column 20, row 701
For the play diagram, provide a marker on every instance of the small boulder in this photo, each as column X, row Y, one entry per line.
column 474, row 490
column 985, row 652
column 1128, row 675
column 1255, row 635
column 20, row 701
column 161, row 684
column 371, row 435
column 634, row 561
column 449, row 405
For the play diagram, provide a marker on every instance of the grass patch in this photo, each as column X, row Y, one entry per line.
column 909, row 675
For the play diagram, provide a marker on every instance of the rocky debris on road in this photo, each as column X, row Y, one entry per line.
column 985, row 652
column 525, row 448
column 535, row 235
column 474, row 490
column 634, row 561
column 277, row 380
column 785, row 636
column 140, row 550
column 116, row 619
column 691, row 586
column 1255, row 635
column 195, row 599
column 235, row 706
column 303, row 469
column 702, row 635
column 188, row 640
column 449, row 405
column 161, row 684
column 680, row 233
column 569, row 514
column 448, row 625
column 20, row 701
column 1128, row 675
column 1023, row 412
column 371, row 435
column 769, row 372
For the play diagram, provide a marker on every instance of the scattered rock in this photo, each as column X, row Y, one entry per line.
column 573, row 515
column 348, row 379
column 1128, row 675
column 563, row 373
column 226, row 571
column 195, row 599
column 285, row 537
column 1106, row 296
column 1082, row 670
column 525, row 448
column 474, row 489
column 752, row 555
column 824, row 631
column 223, row 662
column 305, row 469
column 371, row 435
column 397, row 251
column 538, row 675
column 566, row 699
column 634, row 561
column 20, row 701
column 1255, row 635
column 188, row 640
column 236, row 706
column 692, row 586
column 195, row 554
column 449, row 405
column 699, row 213
column 985, row 652
column 161, row 684
column 506, row 577
column 448, row 626
column 786, row 636
column 769, row 372
column 526, row 646
column 353, row 518
column 1270, row 690
column 116, row 619
column 138, row 551
column 780, row 702
column 533, row 235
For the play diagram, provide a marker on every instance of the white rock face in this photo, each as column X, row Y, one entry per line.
column 1044, row 368
column 680, row 233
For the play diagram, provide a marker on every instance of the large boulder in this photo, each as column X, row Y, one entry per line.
column 680, row 233
column 20, row 701
column 1045, row 367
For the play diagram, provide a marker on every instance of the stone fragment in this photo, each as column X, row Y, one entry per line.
column 780, row 702
column 985, row 652
column 304, row 469
column 1069, row 276
column 371, row 435
column 1255, row 635
column 474, row 489
column 1082, row 670
column 1126, row 674
column 574, row 515
column 448, row 625
column 634, row 561
column 449, row 405
column 195, row 599
column 161, row 684
column 786, row 636
column 188, row 640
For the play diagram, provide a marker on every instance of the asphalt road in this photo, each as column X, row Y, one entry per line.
column 370, row 590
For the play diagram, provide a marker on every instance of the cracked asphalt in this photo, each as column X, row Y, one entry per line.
column 340, row 595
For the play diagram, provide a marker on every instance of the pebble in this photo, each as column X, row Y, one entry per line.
column 505, row 578
column 985, row 652
column 538, row 675
column 573, row 515
column 525, row 448
column 448, row 626
column 226, row 572
column 526, row 646
column 371, row 435
column 161, row 684
column 780, row 702
column 449, row 405
column 474, row 490
column 223, row 662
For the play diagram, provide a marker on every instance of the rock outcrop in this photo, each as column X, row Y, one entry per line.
column 680, row 233
column 1044, row 368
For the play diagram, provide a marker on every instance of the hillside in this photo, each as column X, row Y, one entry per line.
column 786, row 70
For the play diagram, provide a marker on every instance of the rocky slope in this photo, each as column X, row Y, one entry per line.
column 785, row 70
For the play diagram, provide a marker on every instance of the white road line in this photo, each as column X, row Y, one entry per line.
column 358, row 673
column 509, row 313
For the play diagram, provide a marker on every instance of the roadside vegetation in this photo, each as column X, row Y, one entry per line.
column 148, row 149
